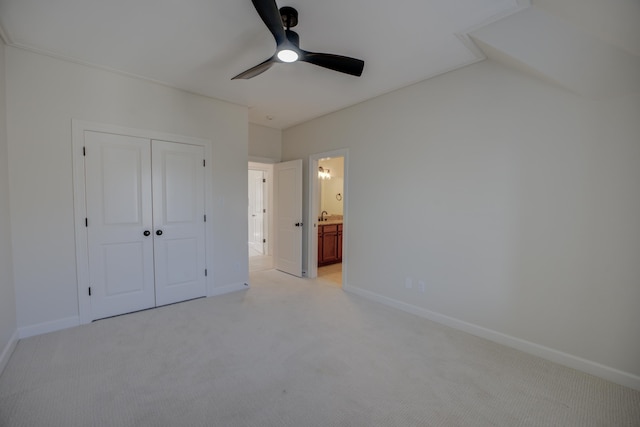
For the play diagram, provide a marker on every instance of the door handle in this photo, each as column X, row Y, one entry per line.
column 146, row 232
column 299, row 224
column 159, row 233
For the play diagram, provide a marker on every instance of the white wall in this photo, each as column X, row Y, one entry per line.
column 43, row 95
column 516, row 202
column 265, row 144
column 8, row 325
column 329, row 188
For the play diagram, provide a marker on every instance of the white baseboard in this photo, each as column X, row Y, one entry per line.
column 8, row 350
column 619, row 377
column 70, row 322
column 235, row 287
column 46, row 327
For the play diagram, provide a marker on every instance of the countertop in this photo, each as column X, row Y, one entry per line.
column 330, row 222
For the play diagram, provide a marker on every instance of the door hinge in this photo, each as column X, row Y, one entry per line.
column 205, row 272
column 264, row 180
column 86, row 222
column 205, row 218
column 89, row 290
column 264, row 211
column 264, row 240
column 84, row 151
column 204, row 163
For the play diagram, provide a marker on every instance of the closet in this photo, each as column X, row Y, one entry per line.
column 145, row 222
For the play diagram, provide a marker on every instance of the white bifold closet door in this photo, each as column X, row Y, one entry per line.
column 145, row 222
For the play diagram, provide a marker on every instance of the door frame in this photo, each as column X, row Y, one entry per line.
column 314, row 191
column 78, row 128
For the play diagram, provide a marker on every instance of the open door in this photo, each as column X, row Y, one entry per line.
column 288, row 212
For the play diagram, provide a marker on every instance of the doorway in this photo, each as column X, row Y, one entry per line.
column 327, row 243
column 257, row 212
column 260, row 215
column 283, row 223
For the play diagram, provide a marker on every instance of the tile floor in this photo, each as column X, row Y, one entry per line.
column 332, row 274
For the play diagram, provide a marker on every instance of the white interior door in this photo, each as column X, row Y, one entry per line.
column 118, row 197
column 288, row 211
column 256, row 212
column 179, row 221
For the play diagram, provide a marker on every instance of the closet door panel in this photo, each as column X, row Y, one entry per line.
column 178, row 217
column 118, row 197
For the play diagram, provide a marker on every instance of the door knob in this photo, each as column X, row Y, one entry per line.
column 146, row 232
column 159, row 232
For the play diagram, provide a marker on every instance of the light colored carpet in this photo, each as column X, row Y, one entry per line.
column 291, row 352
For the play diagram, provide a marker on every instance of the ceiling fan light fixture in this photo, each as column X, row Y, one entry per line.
column 279, row 23
column 288, row 55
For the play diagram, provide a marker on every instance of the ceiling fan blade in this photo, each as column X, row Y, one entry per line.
column 343, row 64
column 268, row 11
column 257, row 70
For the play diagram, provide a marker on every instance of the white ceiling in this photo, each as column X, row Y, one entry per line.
column 198, row 45
column 576, row 57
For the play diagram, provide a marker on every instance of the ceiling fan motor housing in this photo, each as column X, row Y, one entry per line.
column 289, row 17
column 293, row 38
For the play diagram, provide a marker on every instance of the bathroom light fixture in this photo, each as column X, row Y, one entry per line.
column 324, row 174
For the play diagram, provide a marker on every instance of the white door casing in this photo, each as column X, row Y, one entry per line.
column 179, row 221
column 288, row 212
column 118, row 197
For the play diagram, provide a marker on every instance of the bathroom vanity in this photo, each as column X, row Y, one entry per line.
column 329, row 242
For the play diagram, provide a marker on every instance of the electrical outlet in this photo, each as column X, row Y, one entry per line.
column 408, row 283
column 421, row 285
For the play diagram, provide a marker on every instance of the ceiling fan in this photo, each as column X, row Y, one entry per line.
column 280, row 22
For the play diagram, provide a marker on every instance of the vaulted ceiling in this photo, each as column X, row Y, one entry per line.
column 198, row 45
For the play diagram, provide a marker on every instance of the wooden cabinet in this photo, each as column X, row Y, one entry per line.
column 329, row 244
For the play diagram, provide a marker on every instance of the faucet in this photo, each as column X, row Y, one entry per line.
column 322, row 215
